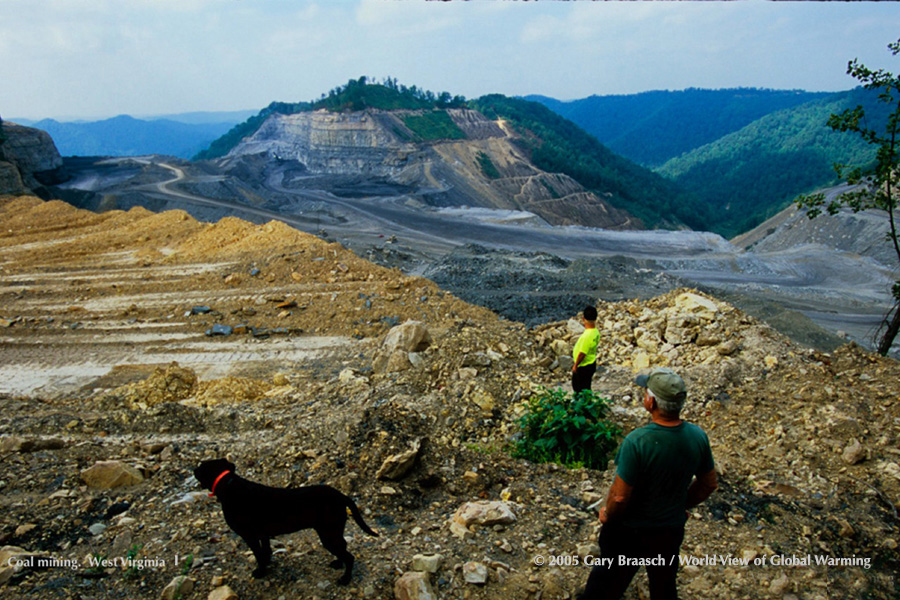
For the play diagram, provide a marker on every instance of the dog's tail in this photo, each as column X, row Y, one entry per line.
column 357, row 516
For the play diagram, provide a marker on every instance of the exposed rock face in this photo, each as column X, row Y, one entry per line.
column 378, row 144
column 475, row 125
column 32, row 154
column 359, row 143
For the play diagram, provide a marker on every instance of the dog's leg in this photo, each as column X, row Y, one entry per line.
column 266, row 550
column 261, row 551
column 334, row 542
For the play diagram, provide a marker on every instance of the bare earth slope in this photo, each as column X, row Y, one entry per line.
column 96, row 308
column 378, row 145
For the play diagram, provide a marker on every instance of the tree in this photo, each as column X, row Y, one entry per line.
column 876, row 186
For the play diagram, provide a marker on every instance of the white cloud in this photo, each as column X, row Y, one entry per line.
column 407, row 18
column 97, row 57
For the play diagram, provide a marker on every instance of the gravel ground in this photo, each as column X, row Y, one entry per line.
column 805, row 442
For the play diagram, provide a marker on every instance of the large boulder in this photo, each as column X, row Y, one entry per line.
column 33, row 154
column 483, row 512
column 109, row 474
column 398, row 344
column 414, row 585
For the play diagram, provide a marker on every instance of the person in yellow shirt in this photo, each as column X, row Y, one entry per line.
column 585, row 352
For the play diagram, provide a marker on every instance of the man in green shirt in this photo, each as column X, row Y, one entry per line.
column 662, row 469
column 584, row 354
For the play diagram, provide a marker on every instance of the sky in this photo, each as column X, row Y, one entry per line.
column 91, row 59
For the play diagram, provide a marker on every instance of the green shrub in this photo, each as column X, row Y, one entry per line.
column 571, row 431
column 487, row 166
column 433, row 125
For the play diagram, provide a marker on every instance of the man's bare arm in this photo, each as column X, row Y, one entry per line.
column 578, row 359
column 616, row 500
column 701, row 488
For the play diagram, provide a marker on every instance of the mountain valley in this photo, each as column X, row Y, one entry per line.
column 810, row 288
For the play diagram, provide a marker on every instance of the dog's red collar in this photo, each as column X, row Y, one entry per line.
column 212, row 490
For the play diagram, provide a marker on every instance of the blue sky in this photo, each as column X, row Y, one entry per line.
column 101, row 58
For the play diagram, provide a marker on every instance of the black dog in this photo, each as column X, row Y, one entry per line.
column 258, row 512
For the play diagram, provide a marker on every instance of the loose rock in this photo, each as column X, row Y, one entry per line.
column 111, row 474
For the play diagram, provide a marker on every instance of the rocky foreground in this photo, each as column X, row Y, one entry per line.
column 411, row 410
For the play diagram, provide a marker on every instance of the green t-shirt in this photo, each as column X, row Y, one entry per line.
column 660, row 462
column 587, row 343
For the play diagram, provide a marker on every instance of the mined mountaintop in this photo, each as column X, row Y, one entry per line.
column 453, row 157
column 493, row 152
column 136, row 345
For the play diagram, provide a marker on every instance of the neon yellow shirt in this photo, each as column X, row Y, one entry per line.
column 587, row 343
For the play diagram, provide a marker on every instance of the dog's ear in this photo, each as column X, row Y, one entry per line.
column 201, row 473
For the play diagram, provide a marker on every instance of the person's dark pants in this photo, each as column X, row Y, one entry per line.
column 632, row 542
column 581, row 378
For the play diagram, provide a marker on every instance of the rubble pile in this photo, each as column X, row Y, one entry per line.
column 413, row 417
column 166, row 384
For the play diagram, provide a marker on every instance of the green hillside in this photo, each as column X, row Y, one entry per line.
column 653, row 127
column 751, row 174
column 557, row 145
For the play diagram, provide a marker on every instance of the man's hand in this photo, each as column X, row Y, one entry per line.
column 701, row 488
column 578, row 360
column 616, row 500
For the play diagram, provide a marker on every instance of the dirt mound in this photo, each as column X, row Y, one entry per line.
column 231, row 390
column 169, row 384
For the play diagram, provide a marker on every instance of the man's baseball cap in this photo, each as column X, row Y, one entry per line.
column 664, row 383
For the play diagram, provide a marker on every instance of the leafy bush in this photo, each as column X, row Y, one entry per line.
column 569, row 430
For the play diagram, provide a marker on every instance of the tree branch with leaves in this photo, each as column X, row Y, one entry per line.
column 875, row 187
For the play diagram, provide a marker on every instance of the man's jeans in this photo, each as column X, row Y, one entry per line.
column 621, row 543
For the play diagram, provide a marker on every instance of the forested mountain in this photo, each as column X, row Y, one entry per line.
column 751, row 174
column 653, row 127
column 127, row 136
column 553, row 144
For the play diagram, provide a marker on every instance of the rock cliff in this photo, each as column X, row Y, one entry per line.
column 359, row 143
column 28, row 159
column 484, row 168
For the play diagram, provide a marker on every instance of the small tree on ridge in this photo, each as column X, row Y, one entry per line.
column 876, row 185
